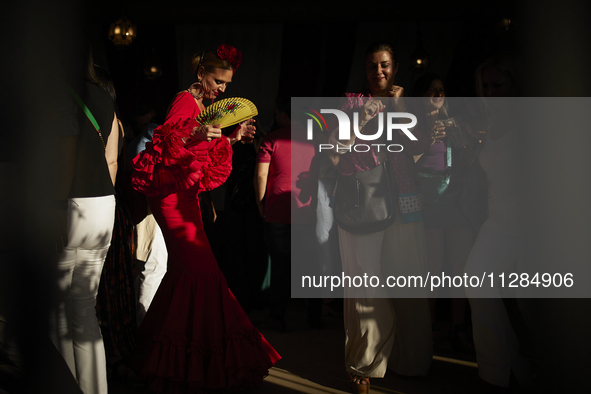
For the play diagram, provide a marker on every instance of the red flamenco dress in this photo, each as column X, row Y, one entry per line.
column 195, row 335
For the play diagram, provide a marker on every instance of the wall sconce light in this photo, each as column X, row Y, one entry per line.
column 152, row 71
column 152, row 67
column 419, row 59
column 122, row 33
column 504, row 24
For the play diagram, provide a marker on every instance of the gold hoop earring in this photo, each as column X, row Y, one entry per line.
column 201, row 90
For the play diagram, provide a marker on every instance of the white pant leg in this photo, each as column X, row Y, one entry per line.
column 369, row 320
column 370, row 325
column 326, row 234
column 497, row 348
column 404, row 254
column 78, row 337
column 151, row 270
column 379, row 328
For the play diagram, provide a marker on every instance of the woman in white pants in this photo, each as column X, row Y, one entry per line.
column 383, row 330
column 90, row 220
column 498, row 245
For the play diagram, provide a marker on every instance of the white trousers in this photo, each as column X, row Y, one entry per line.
column 497, row 348
column 383, row 332
column 152, row 258
column 75, row 329
column 326, row 230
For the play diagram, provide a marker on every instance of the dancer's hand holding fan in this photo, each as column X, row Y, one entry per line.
column 224, row 113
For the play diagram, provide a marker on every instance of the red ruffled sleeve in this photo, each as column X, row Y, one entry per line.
column 169, row 166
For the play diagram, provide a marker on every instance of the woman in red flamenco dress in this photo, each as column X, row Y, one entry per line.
column 195, row 336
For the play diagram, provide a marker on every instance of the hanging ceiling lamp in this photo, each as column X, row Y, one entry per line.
column 122, row 33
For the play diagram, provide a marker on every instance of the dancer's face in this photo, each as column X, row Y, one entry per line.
column 214, row 83
column 380, row 70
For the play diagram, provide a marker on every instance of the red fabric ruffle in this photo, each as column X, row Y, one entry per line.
column 168, row 165
column 190, row 345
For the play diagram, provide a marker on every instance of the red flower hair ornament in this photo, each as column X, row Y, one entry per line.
column 231, row 54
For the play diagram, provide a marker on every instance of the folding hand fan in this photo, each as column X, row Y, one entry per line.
column 228, row 111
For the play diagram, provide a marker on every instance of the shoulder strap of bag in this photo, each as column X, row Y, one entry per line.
column 88, row 114
column 448, row 154
column 375, row 157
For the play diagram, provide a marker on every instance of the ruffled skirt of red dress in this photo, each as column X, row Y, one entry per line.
column 197, row 336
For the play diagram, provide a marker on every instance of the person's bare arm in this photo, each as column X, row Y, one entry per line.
column 260, row 185
column 112, row 149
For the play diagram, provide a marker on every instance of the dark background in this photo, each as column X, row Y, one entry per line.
column 312, row 48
